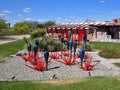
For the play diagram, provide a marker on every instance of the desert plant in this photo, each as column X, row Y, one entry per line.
column 25, row 39
column 51, row 47
column 37, row 33
column 88, row 46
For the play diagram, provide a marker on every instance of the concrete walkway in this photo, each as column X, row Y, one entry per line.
column 108, row 63
column 7, row 39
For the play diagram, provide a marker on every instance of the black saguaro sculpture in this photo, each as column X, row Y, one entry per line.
column 46, row 56
column 36, row 48
column 84, row 40
column 29, row 46
column 35, row 51
column 70, row 45
column 69, row 35
column 74, row 46
column 81, row 53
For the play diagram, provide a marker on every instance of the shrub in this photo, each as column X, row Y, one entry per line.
column 49, row 43
column 51, row 47
column 88, row 46
column 37, row 33
column 8, row 32
column 109, row 52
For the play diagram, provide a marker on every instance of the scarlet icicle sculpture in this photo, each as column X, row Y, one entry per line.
column 87, row 65
column 39, row 64
column 66, row 56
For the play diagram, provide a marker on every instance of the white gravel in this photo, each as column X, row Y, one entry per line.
column 15, row 67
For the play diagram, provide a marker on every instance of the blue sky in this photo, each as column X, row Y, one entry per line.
column 61, row 11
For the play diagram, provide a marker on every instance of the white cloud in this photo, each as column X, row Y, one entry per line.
column 7, row 11
column 2, row 15
column 14, row 21
column 29, row 19
column 59, row 18
column 26, row 10
column 19, row 15
column 102, row 1
column 72, row 17
column 66, row 19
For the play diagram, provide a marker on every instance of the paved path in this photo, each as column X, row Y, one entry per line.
column 6, row 39
column 108, row 63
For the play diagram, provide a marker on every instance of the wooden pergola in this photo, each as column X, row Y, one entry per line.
column 77, row 31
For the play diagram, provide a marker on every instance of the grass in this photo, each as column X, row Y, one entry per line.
column 100, row 45
column 10, row 48
column 95, row 83
column 117, row 64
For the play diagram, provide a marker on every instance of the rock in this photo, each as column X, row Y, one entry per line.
column 12, row 56
column 20, row 53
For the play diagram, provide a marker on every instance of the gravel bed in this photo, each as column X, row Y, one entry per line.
column 15, row 68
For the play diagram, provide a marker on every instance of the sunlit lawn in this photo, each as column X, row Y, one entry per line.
column 99, row 45
column 10, row 48
column 94, row 83
column 117, row 64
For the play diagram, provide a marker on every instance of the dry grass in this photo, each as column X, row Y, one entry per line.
column 61, row 82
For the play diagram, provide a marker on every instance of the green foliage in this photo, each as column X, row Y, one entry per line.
column 22, row 27
column 11, row 48
column 103, row 83
column 100, row 45
column 37, row 33
column 36, row 24
column 88, row 46
column 7, row 32
column 41, row 25
column 3, row 25
column 109, row 52
column 117, row 64
column 50, row 47
column 25, row 39
column 50, row 43
column 49, row 23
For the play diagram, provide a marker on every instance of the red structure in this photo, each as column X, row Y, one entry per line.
column 38, row 65
column 88, row 65
column 77, row 30
column 54, row 55
column 66, row 58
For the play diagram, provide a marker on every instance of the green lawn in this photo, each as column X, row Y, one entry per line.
column 10, row 48
column 99, row 45
column 95, row 83
column 117, row 64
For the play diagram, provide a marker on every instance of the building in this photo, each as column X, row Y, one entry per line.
column 95, row 31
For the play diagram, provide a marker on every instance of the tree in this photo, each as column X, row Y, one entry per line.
column 45, row 24
column 49, row 23
column 22, row 27
column 3, row 25
column 41, row 25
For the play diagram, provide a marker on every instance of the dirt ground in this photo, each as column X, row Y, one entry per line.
column 6, row 39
